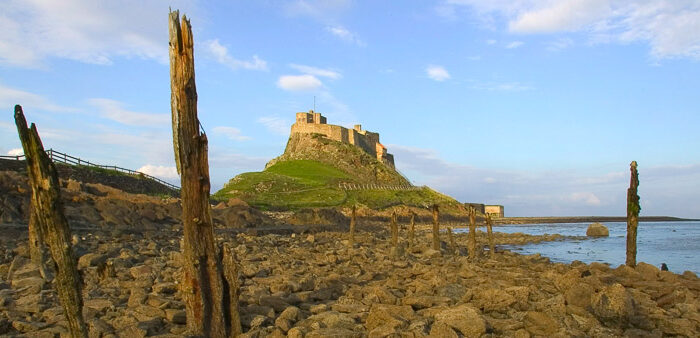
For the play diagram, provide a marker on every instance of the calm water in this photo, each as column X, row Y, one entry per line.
column 675, row 243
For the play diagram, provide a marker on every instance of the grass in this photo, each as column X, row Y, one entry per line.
column 298, row 184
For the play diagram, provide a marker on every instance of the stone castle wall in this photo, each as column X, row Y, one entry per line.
column 314, row 123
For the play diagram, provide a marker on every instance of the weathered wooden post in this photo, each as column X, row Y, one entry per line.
column 633, row 209
column 394, row 231
column 38, row 252
column 453, row 244
column 47, row 211
column 489, row 224
column 412, row 229
column 436, row 228
column 203, row 284
column 233, row 320
column 471, row 241
column 353, row 219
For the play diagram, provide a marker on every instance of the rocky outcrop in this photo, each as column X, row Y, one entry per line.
column 597, row 230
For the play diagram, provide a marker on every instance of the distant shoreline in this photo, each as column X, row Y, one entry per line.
column 585, row 219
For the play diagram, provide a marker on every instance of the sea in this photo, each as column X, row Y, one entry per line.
column 675, row 243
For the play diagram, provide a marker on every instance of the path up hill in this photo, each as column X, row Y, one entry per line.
column 312, row 172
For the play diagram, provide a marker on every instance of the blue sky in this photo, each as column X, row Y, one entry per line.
column 538, row 105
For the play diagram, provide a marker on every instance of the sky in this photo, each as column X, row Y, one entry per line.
column 537, row 105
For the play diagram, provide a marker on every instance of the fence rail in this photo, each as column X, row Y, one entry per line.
column 57, row 156
column 371, row 186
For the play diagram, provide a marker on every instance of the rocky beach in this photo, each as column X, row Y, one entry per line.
column 307, row 281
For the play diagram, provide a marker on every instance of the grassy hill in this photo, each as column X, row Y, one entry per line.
column 297, row 184
column 309, row 172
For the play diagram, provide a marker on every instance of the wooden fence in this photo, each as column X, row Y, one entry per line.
column 60, row 157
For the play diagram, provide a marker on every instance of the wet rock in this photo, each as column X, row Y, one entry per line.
column 176, row 316
column 597, row 230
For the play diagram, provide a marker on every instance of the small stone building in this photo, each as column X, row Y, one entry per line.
column 495, row 211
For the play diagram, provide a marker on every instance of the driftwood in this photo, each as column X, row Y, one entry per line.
column 203, row 285
column 47, row 213
column 633, row 209
column 436, row 228
column 471, row 240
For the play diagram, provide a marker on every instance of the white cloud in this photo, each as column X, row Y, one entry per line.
column 159, row 171
column 491, row 42
column 437, row 73
column 276, row 124
column 113, row 110
column 84, row 30
column 232, row 133
column 671, row 28
column 345, row 35
column 15, row 152
column 11, row 96
column 299, row 82
column 331, row 74
column 514, row 44
column 588, row 198
column 222, row 56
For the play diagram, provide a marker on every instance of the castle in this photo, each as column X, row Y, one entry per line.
column 315, row 123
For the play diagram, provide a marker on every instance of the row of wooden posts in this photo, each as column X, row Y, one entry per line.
column 394, row 228
column 209, row 287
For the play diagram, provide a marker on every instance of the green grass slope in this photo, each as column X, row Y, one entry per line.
column 309, row 173
column 294, row 184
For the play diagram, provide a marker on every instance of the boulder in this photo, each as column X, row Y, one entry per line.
column 463, row 319
column 613, row 304
column 597, row 230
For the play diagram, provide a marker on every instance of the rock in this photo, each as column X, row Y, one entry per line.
column 540, row 324
column 332, row 319
column 141, row 271
column 648, row 271
column 464, row 319
column 613, row 304
column 91, row 259
column 287, row 318
column 99, row 304
column 422, row 302
column 579, row 295
column 333, row 333
column 493, row 300
column 597, row 230
column 176, row 316
column 396, row 316
column 442, row 330
column 166, row 288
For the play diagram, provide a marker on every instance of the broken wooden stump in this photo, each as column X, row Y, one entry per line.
column 633, row 209
column 471, row 240
column 47, row 213
column 412, row 229
column 489, row 228
column 204, row 284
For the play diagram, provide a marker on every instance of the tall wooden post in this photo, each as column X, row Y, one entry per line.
column 47, row 211
column 412, row 229
column 489, row 224
column 38, row 252
column 471, row 241
column 436, row 228
column 633, row 209
column 353, row 219
column 203, row 283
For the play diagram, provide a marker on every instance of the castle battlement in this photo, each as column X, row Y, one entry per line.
column 315, row 123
